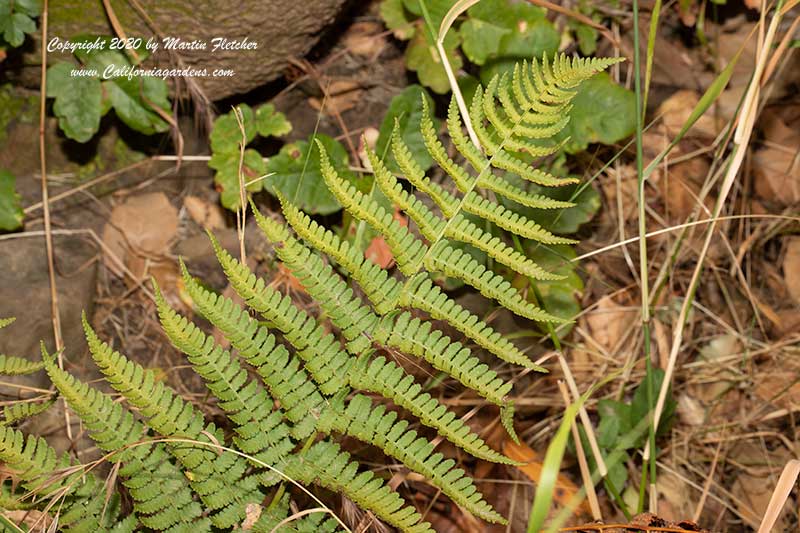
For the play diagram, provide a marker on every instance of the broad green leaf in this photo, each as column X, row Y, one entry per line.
column 227, row 177
column 481, row 39
column 133, row 101
column 10, row 207
column 602, row 112
column 78, row 102
column 406, row 108
column 499, row 33
column 32, row 8
column 423, row 58
column 587, row 38
column 396, row 18
column 15, row 27
column 297, row 175
column 226, row 135
column 271, row 123
column 437, row 9
column 101, row 58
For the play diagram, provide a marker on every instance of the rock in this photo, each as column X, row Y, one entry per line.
column 25, row 288
column 280, row 28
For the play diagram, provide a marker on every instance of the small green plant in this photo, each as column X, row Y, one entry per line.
column 226, row 138
column 318, row 377
column 16, row 21
column 10, row 205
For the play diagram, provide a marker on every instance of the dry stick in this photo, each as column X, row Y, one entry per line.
column 741, row 139
column 48, row 231
column 586, row 474
column 241, row 213
column 583, row 19
column 707, row 485
column 779, row 496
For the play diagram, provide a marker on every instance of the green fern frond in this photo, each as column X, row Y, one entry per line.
column 424, row 295
column 22, row 410
column 457, row 264
column 319, row 349
column 345, row 310
column 261, row 432
column 406, row 248
column 416, row 176
column 412, row 336
column 283, row 373
column 391, row 381
column 381, row 289
column 381, row 428
column 160, row 491
column 510, row 221
column 6, row 321
column 221, row 481
column 325, row 464
column 436, row 149
column 17, row 366
column 429, row 224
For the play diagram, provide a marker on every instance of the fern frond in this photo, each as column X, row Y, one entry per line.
column 17, row 366
column 377, row 426
column 282, row 372
column 457, row 264
column 381, row 289
column 504, row 188
column 510, row 221
column 424, row 295
column 429, row 224
column 416, row 176
column 406, row 248
column 463, row 230
column 219, row 480
column 261, row 432
column 345, row 310
column 21, row 410
column 6, row 321
column 325, row 464
column 460, row 177
column 320, row 350
column 391, row 381
column 411, row 335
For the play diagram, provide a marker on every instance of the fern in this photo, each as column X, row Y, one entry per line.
column 293, row 383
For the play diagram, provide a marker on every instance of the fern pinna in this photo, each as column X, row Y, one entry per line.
column 289, row 384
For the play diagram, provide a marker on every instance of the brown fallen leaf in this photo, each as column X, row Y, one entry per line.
column 675, row 110
column 791, row 267
column 365, row 39
column 342, row 96
column 776, row 166
column 139, row 233
column 205, row 213
column 532, row 467
column 608, row 322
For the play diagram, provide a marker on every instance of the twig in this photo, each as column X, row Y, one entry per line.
column 241, row 213
column 48, row 235
column 586, row 474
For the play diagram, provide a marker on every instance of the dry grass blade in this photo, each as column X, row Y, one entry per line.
column 447, row 22
column 786, row 482
column 744, row 130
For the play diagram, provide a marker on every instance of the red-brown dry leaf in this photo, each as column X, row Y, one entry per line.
column 608, row 321
column 532, row 467
column 791, row 267
column 675, row 110
column 378, row 250
column 139, row 233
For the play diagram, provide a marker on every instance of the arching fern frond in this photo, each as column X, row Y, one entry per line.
column 375, row 425
column 24, row 409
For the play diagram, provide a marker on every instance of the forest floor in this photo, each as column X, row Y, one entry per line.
column 737, row 381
